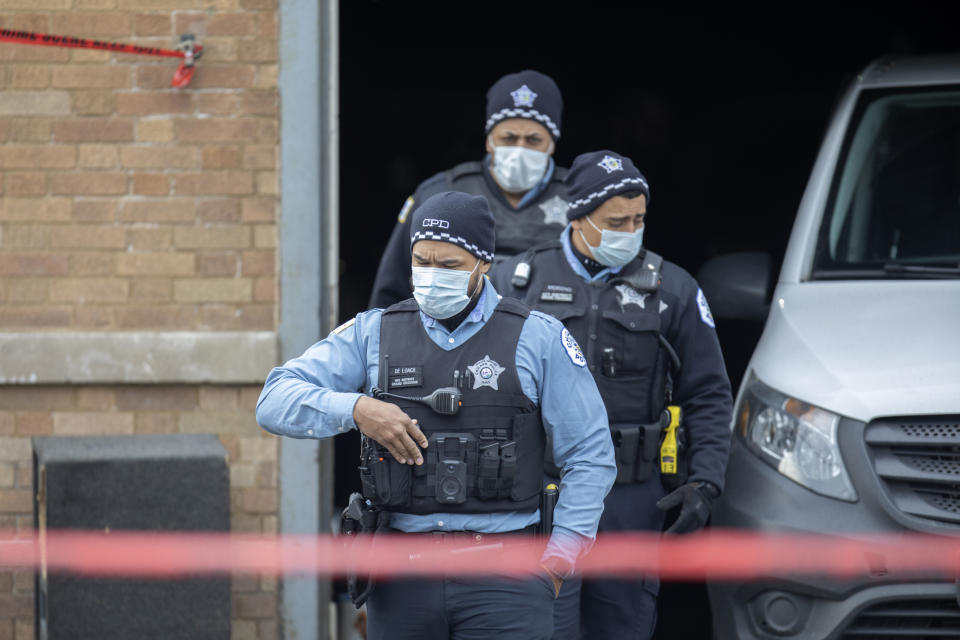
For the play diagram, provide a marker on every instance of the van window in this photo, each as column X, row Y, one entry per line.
column 894, row 209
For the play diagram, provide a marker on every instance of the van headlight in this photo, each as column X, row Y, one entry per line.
column 796, row 438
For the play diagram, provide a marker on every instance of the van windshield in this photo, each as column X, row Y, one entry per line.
column 894, row 210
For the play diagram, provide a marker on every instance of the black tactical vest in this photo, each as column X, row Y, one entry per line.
column 617, row 324
column 486, row 458
column 517, row 229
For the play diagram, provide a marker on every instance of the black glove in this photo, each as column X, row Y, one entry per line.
column 697, row 500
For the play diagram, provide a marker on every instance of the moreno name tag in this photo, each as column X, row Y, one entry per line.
column 405, row 376
column 556, row 293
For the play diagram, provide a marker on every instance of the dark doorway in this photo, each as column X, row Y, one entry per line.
column 723, row 109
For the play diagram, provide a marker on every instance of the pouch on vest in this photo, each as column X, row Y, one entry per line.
column 383, row 480
column 626, row 444
column 636, row 448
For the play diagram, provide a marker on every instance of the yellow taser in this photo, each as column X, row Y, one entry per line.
column 668, row 448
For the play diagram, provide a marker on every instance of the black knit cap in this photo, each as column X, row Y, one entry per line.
column 528, row 94
column 597, row 176
column 457, row 218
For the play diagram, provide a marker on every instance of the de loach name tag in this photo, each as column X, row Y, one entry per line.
column 405, row 376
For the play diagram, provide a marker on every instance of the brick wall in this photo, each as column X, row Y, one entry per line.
column 92, row 409
column 126, row 205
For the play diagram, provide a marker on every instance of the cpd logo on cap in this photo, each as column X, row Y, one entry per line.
column 433, row 222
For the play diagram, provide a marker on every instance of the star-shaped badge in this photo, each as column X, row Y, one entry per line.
column 629, row 295
column 611, row 164
column 555, row 210
column 523, row 97
column 485, row 373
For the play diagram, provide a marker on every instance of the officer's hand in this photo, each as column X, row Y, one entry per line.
column 388, row 425
column 697, row 500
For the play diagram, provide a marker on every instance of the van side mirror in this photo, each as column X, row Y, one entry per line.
column 738, row 285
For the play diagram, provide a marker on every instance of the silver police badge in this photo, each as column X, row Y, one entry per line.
column 485, row 373
column 555, row 210
column 523, row 97
column 629, row 295
column 611, row 164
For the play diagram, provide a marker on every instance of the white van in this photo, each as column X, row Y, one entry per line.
column 848, row 417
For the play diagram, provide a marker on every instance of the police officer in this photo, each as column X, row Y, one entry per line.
column 515, row 379
column 518, row 178
column 650, row 343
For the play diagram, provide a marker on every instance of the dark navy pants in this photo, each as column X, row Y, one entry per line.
column 618, row 608
column 462, row 608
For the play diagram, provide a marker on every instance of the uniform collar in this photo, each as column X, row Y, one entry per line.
column 576, row 265
column 489, row 298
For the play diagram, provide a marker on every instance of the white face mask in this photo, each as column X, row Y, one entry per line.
column 441, row 293
column 617, row 248
column 518, row 169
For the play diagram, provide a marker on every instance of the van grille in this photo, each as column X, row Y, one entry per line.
column 907, row 620
column 918, row 461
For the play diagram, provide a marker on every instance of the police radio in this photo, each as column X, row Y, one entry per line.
column 445, row 400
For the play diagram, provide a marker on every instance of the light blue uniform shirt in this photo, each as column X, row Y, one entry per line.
column 313, row 397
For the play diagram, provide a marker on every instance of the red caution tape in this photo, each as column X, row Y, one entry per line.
column 188, row 50
column 714, row 554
